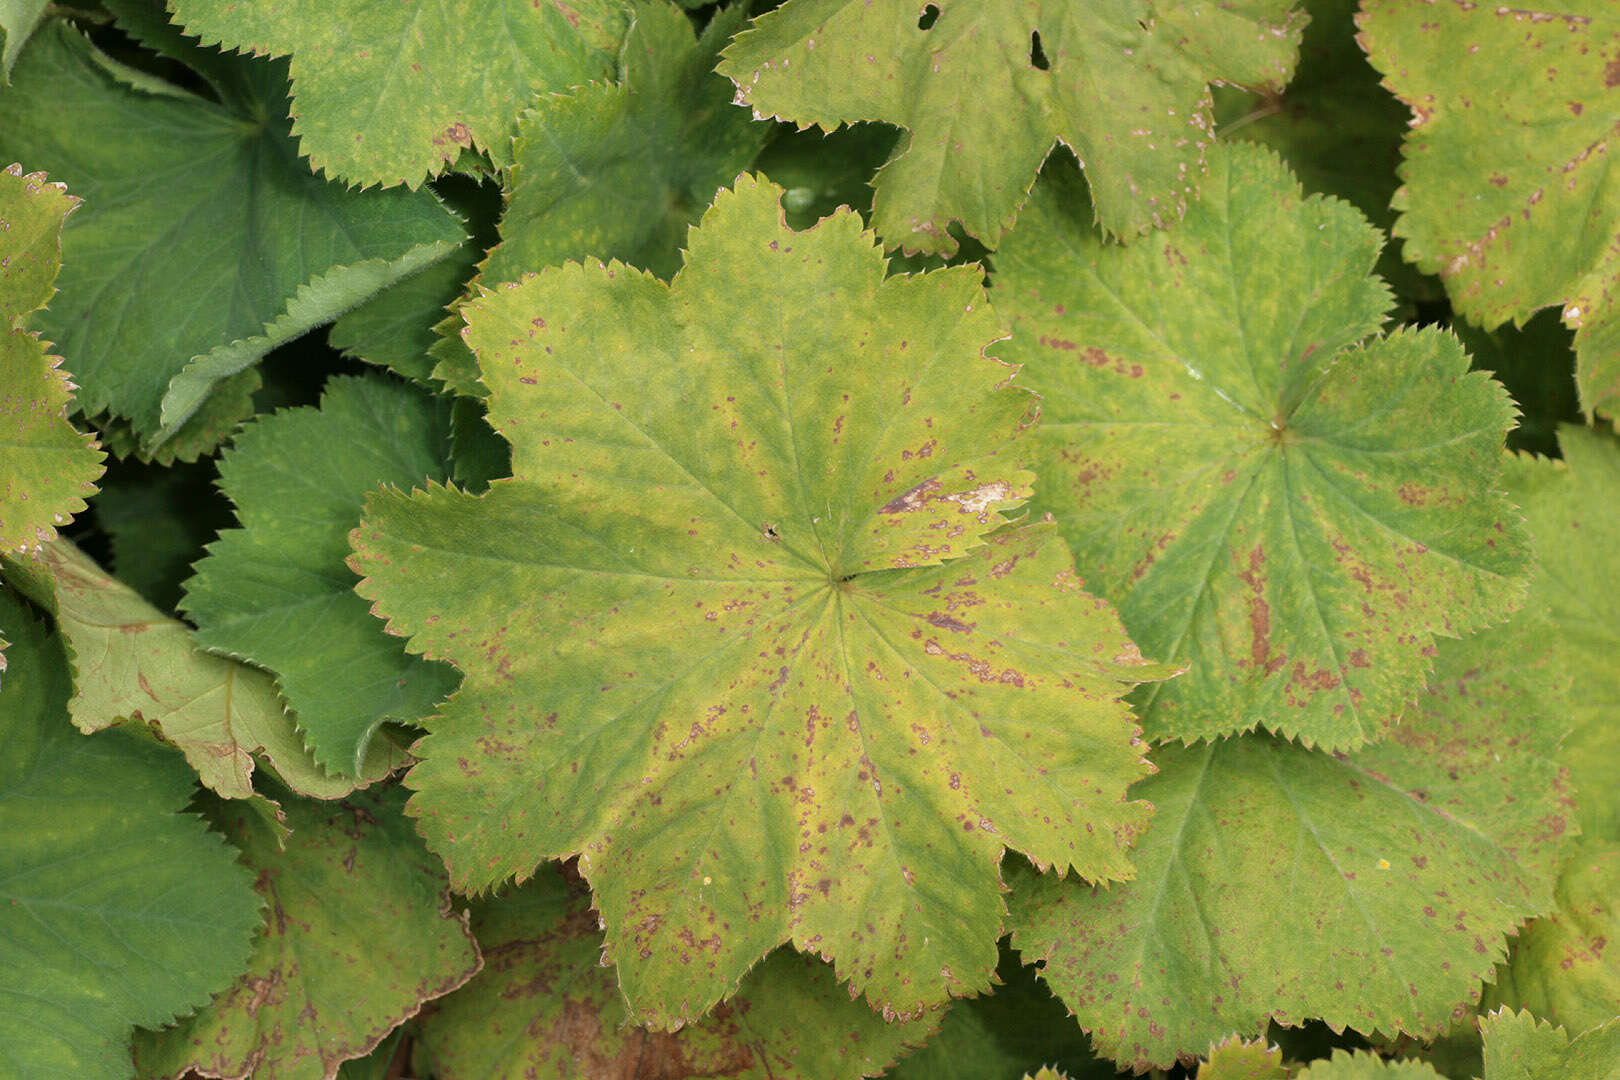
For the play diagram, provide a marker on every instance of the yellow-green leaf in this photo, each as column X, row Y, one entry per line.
column 748, row 630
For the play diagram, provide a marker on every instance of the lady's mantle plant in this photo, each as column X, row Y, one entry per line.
column 533, row 550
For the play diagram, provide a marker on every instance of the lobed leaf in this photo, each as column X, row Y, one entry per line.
column 360, row 934
column 1373, row 891
column 984, row 88
column 544, row 1007
column 711, row 638
column 115, row 908
column 48, row 468
column 393, row 94
column 276, row 592
column 217, row 241
column 131, row 663
column 1292, row 509
column 1508, row 147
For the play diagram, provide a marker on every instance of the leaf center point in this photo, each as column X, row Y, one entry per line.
column 1278, row 433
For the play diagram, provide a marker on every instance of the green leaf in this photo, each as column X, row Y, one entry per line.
column 1509, row 147
column 1237, row 1058
column 391, row 95
column 1125, row 86
column 360, row 934
column 214, row 241
column 711, row 637
column 543, row 1004
column 48, row 468
column 1295, row 510
column 276, row 592
column 1518, row 1047
column 1574, row 513
column 619, row 171
column 1361, row 1065
column 115, row 908
column 132, row 663
column 1563, row 967
column 1373, row 891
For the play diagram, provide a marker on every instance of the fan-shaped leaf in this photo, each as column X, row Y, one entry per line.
column 115, row 908
column 392, row 94
column 1373, row 891
column 360, row 934
column 985, row 87
column 1293, row 513
column 711, row 636
column 1337, row 128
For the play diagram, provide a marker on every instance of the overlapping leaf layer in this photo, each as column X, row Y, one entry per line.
column 560, row 605
column 984, row 88
column 840, row 685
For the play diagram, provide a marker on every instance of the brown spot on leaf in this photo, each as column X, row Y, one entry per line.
column 457, row 134
column 945, row 622
column 911, row 500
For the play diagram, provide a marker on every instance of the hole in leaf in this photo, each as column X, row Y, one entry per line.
column 929, row 15
column 1037, row 55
